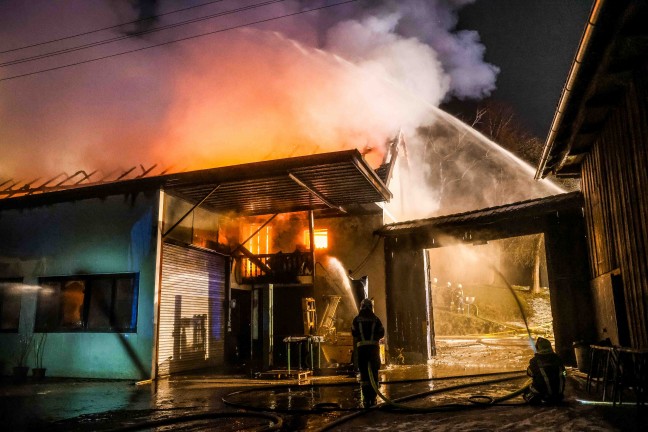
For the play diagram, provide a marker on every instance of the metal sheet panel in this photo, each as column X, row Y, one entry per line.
column 192, row 325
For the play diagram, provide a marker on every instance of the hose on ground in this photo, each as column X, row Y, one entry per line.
column 277, row 422
column 332, row 406
column 473, row 399
column 397, row 403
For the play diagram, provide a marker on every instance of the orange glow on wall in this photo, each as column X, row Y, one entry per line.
column 321, row 238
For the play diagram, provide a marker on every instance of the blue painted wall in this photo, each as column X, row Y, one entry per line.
column 115, row 234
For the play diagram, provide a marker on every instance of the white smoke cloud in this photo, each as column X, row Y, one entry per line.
column 347, row 77
column 185, row 101
column 460, row 53
column 372, row 45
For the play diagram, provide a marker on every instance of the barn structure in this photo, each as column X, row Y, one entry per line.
column 559, row 218
column 596, row 241
column 155, row 275
column 600, row 135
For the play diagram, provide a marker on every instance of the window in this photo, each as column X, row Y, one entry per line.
column 10, row 304
column 321, row 238
column 98, row 303
column 259, row 242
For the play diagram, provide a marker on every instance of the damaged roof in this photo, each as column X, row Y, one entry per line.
column 613, row 46
column 340, row 181
column 330, row 180
column 494, row 219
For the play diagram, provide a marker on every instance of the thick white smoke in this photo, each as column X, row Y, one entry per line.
column 349, row 76
column 211, row 100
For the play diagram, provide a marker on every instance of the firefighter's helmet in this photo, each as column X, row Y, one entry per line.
column 366, row 304
column 543, row 346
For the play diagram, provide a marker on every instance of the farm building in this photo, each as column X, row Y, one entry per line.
column 600, row 135
column 150, row 276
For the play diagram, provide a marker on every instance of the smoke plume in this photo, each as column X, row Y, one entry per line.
column 349, row 76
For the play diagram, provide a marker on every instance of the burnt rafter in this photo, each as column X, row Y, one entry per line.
column 11, row 191
column 145, row 171
column 310, row 188
column 342, row 179
column 11, row 188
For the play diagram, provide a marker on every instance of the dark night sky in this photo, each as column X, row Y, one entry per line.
column 533, row 43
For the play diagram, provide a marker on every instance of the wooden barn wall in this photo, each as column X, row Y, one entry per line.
column 570, row 296
column 406, row 286
column 615, row 185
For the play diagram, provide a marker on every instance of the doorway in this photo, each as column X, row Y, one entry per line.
column 487, row 298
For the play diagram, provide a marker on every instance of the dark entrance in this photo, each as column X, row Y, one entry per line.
column 559, row 218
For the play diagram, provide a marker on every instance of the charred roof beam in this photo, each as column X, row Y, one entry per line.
column 310, row 188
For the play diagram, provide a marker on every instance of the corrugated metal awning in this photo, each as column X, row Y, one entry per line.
column 336, row 180
column 330, row 180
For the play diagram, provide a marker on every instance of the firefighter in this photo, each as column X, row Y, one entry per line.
column 447, row 296
column 458, row 299
column 548, row 374
column 367, row 330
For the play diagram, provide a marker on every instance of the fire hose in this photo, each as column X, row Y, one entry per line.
column 332, row 406
column 277, row 422
column 477, row 401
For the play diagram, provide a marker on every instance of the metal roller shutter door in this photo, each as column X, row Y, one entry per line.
column 192, row 327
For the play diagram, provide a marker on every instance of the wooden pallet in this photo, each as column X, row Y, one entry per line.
column 283, row 374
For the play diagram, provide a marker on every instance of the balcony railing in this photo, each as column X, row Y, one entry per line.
column 284, row 267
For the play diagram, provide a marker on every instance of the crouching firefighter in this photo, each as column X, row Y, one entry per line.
column 367, row 330
column 547, row 371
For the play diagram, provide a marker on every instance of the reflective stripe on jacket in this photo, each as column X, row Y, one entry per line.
column 367, row 329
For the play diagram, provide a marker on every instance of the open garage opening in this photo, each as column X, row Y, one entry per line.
column 487, row 298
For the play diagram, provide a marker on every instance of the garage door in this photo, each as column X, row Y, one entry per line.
column 192, row 326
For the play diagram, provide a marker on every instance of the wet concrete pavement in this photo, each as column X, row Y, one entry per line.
column 87, row 405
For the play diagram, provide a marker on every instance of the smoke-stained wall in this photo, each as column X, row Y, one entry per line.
column 109, row 235
column 353, row 243
column 410, row 325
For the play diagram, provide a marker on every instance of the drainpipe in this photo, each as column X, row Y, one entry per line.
column 569, row 86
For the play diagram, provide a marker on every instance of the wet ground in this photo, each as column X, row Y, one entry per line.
column 332, row 401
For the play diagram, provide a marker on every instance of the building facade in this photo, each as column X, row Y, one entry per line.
column 139, row 278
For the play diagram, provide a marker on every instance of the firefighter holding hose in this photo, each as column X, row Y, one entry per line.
column 547, row 371
column 367, row 330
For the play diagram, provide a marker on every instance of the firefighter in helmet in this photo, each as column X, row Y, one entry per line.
column 547, row 371
column 458, row 299
column 367, row 330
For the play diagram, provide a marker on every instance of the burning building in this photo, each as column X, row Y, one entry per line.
column 155, row 275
